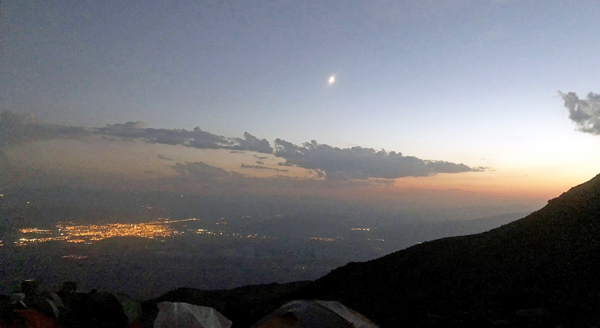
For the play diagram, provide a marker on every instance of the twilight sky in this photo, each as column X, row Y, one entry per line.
column 233, row 97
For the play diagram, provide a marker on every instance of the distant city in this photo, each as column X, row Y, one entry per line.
column 158, row 229
column 146, row 244
column 71, row 233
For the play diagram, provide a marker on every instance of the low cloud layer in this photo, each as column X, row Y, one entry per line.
column 361, row 163
column 218, row 179
column 201, row 171
column 196, row 138
column 252, row 143
column 584, row 112
column 326, row 161
column 191, row 138
column 16, row 128
column 261, row 167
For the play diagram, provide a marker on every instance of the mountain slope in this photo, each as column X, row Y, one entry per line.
column 540, row 270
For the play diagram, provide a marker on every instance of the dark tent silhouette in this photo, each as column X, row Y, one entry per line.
column 314, row 314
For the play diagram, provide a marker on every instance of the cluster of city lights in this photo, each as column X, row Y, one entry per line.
column 72, row 233
column 321, row 239
column 73, row 257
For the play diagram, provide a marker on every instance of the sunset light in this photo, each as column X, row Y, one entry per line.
column 152, row 147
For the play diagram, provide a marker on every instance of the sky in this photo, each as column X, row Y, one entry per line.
column 435, row 103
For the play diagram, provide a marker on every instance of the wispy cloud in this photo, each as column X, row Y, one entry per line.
column 201, row 171
column 260, row 167
column 216, row 178
column 196, row 138
column 191, row 138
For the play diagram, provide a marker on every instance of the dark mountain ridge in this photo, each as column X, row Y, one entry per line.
column 539, row 271
column 543, row 268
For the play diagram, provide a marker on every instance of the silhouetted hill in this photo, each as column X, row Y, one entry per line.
column 541, row 270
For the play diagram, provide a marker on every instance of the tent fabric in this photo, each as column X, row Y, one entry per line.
column 58, row 305
column 184, row 315
column 18, row 298
column 132, row 308
column 54, row 308
column 42, row 302
column 356, row 319
column 314, row 314
column 34, row 319
column 136, row 324
column 100, row 309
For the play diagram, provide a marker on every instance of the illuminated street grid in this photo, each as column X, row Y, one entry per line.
column 160, row 228
column 89, row 233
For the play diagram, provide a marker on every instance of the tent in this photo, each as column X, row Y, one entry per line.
column 314, row 314
column 132, row 308
column 28, row 318
column 103, row 309
column 189, row 316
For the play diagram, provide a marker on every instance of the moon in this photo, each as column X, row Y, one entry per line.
column 331, row 80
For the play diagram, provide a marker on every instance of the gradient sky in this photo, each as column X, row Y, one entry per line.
column 465, row 82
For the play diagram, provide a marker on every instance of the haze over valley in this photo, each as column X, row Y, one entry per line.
column 149, row 146
column 162, row 247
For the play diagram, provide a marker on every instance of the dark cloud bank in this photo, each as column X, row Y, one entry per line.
column 190, row 138
column 361, row 163
column 584, row 112
column 327, row 161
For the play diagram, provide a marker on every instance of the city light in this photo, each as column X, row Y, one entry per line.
column 72, row 233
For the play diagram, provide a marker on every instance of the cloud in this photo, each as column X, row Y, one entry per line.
column 326, row 161
column 16, row 128
column 584, row 112
column 201, row 171
column 164, row 158
column 259, row 167
column 201, row 177
column 361, row 163
column 191, row 138
column 251, row 142
column 196, row 138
